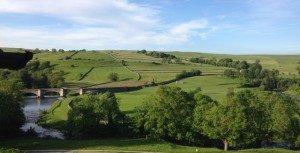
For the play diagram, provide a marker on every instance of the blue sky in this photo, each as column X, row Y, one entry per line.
column 212, row 26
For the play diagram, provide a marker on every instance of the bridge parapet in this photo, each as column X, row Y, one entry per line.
column 62, row 92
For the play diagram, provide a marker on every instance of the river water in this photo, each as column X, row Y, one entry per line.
column 31, row 111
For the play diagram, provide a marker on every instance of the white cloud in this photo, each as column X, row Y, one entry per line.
column 95, row 25
column 272, row 9
column 188, row 27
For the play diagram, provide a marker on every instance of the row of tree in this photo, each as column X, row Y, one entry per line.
column 249, row 118
column 36, row 74
column 186, row 74
column 256, row 76
column 245, row 119
column 226, row 62
column 251, row 74
column 166, row 58
column 53, row 50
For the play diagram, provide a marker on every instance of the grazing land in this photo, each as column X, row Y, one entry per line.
column 92, row 68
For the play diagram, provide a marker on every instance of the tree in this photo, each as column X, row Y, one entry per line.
column 225, row 122
column 113, row 77
column 231, row 73
column 167, row 114
column 285, row 119
column 53, row 50
column 56, row 79
column 11, row 112
column 203, row 104
column 250, row 118
column 44, row 65
column 95, row 116
column 178, row 60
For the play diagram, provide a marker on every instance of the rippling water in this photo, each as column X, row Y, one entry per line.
column 31, row 111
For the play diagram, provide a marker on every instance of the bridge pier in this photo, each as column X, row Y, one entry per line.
column 40, row 93
column 62, row 92
column 81, row 91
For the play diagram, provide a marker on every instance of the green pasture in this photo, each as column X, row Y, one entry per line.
column 133, row 56
column 148, row 67
column 214, row 86
column 286, row 64
column 81, row 63
column 163, row 72
column 151, row 69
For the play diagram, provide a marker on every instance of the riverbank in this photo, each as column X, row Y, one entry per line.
column 32, row 109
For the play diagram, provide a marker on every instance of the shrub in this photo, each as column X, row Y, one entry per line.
column 113, row 77
column 185, row 74
column 9, row 150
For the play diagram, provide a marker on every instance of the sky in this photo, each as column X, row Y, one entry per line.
column 207, row 26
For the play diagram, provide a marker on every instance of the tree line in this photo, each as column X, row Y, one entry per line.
column 246, row 119
column 186, row 74
column 36, row 74
column 251, row 74
column 166, row 58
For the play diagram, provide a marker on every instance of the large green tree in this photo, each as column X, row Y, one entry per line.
column 250, row 118
column 11, row 104
column 94, row 116
column 224, row 122
column 168, row 114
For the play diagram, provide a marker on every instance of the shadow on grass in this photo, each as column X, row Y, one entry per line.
column 104, row 144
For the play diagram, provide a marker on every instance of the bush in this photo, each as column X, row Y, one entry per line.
column 96, row 116
column 231, row 73
column 10, row 150
column 113, row 77
column 185, row 74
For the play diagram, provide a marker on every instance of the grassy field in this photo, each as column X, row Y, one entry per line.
column 214, row 86
column 286, row 64
column 150, row 69
column 81, row 63
column 119, row 145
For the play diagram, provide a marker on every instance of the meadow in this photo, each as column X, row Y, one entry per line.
column 97, row 65
column 286, row 64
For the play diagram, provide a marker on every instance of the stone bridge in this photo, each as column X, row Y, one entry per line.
column 62, row 92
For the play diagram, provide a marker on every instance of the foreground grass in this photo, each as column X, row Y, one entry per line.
column 104, row 144
column 116, row 144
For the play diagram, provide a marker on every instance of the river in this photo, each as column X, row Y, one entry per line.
column 31, row 111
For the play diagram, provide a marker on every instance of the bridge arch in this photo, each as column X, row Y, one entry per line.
column 36, row 92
